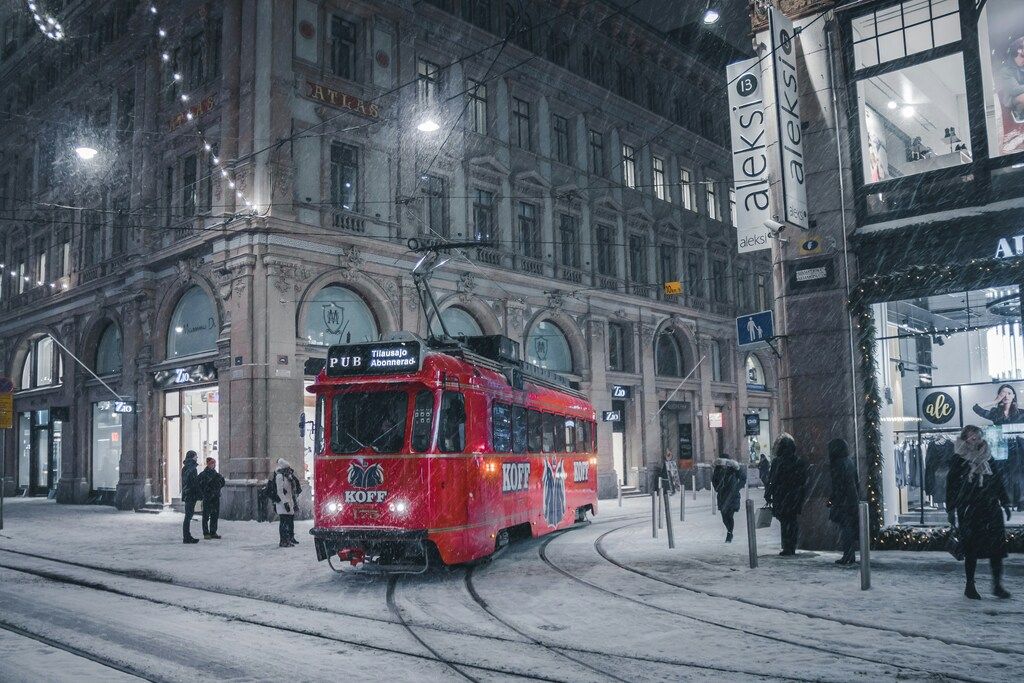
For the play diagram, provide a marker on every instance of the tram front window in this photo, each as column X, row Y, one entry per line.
column 373, row 420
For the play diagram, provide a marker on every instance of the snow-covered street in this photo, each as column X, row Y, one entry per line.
column 88, row 593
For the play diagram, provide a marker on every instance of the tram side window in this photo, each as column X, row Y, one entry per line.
column 422, row 420
column 501, row 427
column 581, row 436
column 535, row 431
column 570, row 434
column 452, row 432
column 593, row 437
column 518, row 429
column 550, row 429
column 318, row 426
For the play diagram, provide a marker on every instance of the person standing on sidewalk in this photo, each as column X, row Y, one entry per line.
column 189, row 494
column 671, row 466
column 285, row 496
column 210, row 482
column 787, row 490
column 728, row 479
column 975, row 496
column 762, row 469
column 844, row 499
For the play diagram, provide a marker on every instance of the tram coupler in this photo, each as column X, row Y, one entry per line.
column 354, row 556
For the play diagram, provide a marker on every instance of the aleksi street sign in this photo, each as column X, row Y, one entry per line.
column 755, row 329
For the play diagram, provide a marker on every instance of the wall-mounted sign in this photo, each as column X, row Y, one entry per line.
column 755, row 329
column 787, row 114
column 620, row 391
column 715, row 420
column 342, row 100
column 611, row 416
column 811, row 245
column 673, row 288
column 685, row 441
column 1009, row 247
column 752, row 424
column 204, row 106
column 381, row 358
column 749, row 155
column 811, row 274
column 6, row 410
column 124, row 407
column 181, row 377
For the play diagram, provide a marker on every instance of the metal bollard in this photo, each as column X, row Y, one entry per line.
column 654, row 522
column 714, row 501
column 661, row 493
column 682, row 505
column 668, row 520
column 620, row 494
column 865, row 547
column 693, row 484
column 751, row 535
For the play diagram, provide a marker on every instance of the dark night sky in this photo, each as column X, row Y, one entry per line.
column 666, row 15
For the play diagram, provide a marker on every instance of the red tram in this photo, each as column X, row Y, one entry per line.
column 440, row 451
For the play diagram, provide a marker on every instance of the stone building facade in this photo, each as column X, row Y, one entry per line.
column 259, row 172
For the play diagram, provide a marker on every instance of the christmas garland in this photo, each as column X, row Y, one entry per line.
column 923, row 279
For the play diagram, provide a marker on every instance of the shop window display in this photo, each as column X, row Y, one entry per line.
column 1001, row 47
column 106, row 446
column 193, row 328
column 945, row 361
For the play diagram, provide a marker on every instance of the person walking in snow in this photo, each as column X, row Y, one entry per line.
column 728, row 479
column 189, row 495
column 787, row 490
column 210, row 482
column 763, row 465
column 671, row 467
column 284, row 493
column 976, row 494
column 844, row 499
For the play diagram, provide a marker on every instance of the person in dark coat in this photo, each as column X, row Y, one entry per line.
column 210, row 482
column 763, row 465
column 189, row 494
column 787, row 490
column 844, row 499
column 728, row 479
column 978, row 502
column 671, row 470
column 284, row 493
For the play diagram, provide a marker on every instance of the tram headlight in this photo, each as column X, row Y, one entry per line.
column 399, row 507
column 333, row 506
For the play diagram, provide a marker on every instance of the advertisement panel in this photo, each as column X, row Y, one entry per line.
column 787, row 114
column 1002, row 28
column 992, row 406
column 749, row 155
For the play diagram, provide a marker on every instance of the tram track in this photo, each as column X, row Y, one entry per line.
column 599, row 546
column 78, row 652
column 830, row 651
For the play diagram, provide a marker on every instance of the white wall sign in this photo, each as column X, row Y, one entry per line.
column 787, row 113
column 1008, row 247
column 715, row 420
column 749, row 155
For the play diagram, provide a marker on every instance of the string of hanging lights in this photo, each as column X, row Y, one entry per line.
column 48, row 25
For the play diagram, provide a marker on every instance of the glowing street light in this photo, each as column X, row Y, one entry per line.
column 711, row 16
column 86, row 153
column 428, row 125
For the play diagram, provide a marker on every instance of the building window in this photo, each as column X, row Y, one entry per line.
column 106, row 446
column 426, row 82
column 743, row 289
column 667, row 263
column 620, row 347
column 477, row 107
column 569, row 241
column 193, row 327
column 337, row 315
column 596, row 141
column 668, row 356
column 718, row 290
column 188, row 186
column 695, row 274
column 529, row 230
column 195, row 70
column 548, row 348
column 686, row 188
column 637, row 261
column 711, row 193
column 561, row 125
column 168, row 196
column 606, row 262
column 435, row 189
column 483, row 215
column 904, row 29
column 40, row 269
column 108, row 351
column 716, row 361
column 343, row 48
column 460, row 323
column 1002, row 72
column 732, row 206
column 344, row 176
column 755, row 374
column 658, row 178
column 762, row 293
column 43, row 366
column 628, row 166
column 521, row 123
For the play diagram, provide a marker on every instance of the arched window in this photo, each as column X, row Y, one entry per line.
column 108, row 351
column 668, row 357
column 756, row 379
column 337, row 315
column 547, row 347
column 460, row 323
column 43, row 366
column 193, row 326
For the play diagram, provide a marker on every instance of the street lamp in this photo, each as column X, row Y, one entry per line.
column 427, row 125
column 86, row 153
column 711, row 14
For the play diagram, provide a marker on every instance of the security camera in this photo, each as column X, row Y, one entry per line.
column 775, row 228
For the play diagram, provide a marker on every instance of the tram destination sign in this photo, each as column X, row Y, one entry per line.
column 381, row 358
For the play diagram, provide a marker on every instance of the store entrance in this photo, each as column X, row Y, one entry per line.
column 619, row 459
column 191, row 423
column 39, row 451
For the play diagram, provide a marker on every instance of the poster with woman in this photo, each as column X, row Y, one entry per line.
column 1005, row 24
column 877, row 161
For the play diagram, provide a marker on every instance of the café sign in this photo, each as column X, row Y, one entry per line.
column 204, row 106
column 342, row 100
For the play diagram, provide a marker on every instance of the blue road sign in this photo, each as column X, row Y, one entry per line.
column 755, row 329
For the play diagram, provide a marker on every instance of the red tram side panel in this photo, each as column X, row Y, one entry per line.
column 443, row 459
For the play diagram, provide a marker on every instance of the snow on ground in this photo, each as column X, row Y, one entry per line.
column 601, row 602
